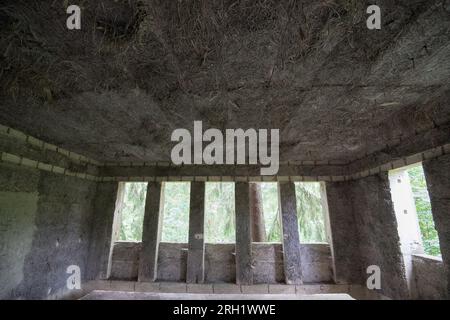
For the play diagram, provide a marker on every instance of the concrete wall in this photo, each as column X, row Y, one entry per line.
column 378, row 234
column 430, row 277
column 45, row 223
column 19, row 200
column 437, row 174
column 220, row 262
column 364, row 233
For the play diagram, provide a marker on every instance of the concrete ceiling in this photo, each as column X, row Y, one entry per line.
column 137, row 70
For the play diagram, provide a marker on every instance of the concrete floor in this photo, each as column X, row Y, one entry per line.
column 123, row 295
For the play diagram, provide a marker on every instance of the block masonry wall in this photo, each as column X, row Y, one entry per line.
column 220, row 265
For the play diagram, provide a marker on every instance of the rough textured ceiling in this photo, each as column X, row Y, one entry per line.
column 116, row 89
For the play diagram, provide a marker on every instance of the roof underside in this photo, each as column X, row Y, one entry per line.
column 137, row 70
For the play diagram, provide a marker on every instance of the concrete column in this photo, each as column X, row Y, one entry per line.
column 244, row 269
column 106, row 207
column 437, row 173
column 257, row 213
column 151, row 233
column 196, row 254
column 343, row 233
column 379, row 241
column 364, row 233
column 291, row 241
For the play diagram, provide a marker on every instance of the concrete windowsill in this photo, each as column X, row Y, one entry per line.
column 436, row 259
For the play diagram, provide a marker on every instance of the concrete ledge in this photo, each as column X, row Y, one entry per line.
column 147, row 287
column 356, row 291
column 173, row 287
column 122, row 285
column 429, row 258
column 200, row 288
column 362, row 293
column 226, row 288
column 122, row 295
column 65, row 294
column 96, row 285
column 255, row 289
column 282, row 289
column 322, row 288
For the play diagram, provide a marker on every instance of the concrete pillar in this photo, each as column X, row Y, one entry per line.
column 244, row 268
column 196, row 249
column 291, row 241
column 379, row 241
column 343, row 233
column 326, row 219
column 257, row 213
column 106, row 208
column 437, row 173
column 151, row 233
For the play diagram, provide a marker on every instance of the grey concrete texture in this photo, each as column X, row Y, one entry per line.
column 379, row 242
column 437, row 173
column 221, row 170
column 151, row 232
column 291, row 238
column 356, row 291
column 49, row 221
column 335, row 89
column 195, row 272
column 345, row 242
column 45, row 224
column 243, row 231
column 430, row 275
column 220, row 266
column 102, row 230
column 364, row 232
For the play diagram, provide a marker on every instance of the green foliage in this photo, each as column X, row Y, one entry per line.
column 269, row 192
column 175, row 227
column 133, row 211
column 310, row 212
column 423, row 207
column 219, row 212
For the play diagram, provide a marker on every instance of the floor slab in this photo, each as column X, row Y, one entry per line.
column 124, row 295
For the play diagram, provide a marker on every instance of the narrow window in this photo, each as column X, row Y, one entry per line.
column 269, row 192
column 175, row 227
column 310, row 212
column 422, row 202
column 219, row 212
column 132, row 211
column 413, row 211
